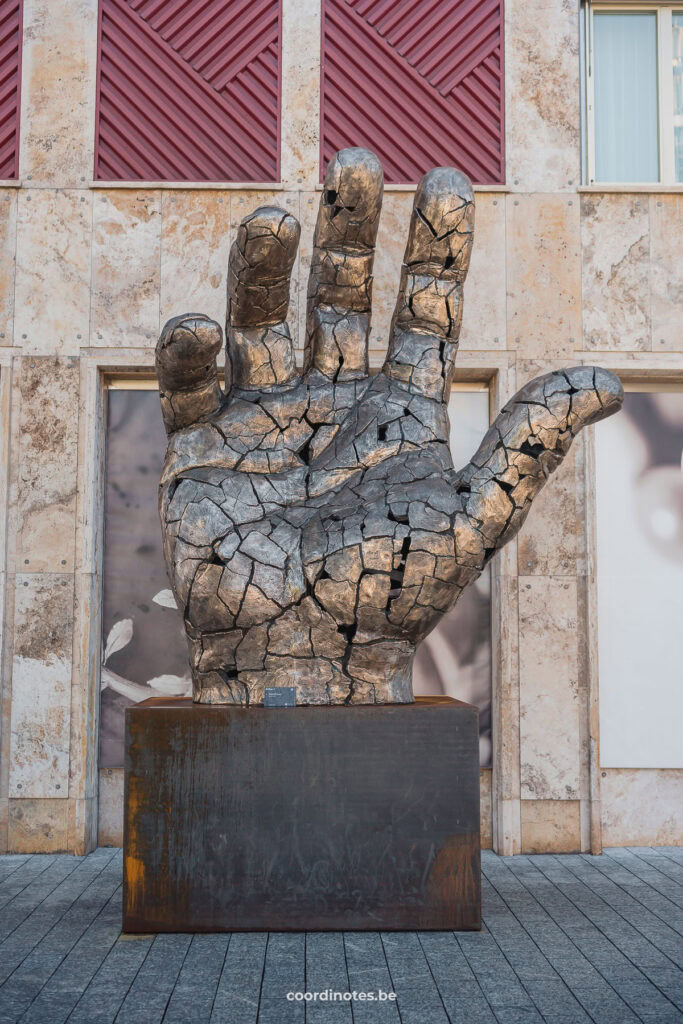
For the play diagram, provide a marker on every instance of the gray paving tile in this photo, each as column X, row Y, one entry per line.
column 284, row 973
column 645, row 872
column 102, row 999
column 66, row 985
column 641, row 994
column 460, row 991
column 660, row 863
column 45, row 936
column 550, row 994
column 15, row 882
column 42, row 889
column 148, row 996
column 504, row 992
column 643, row 893
column 239, row 988
column 195, row 990
column 670, row 982
column 326, row 973
column 46, row 986
column 11, row 862
column 546, row 926
column 674, row 853
column 368, row 972
column 664, row 934
column 417, row 994
column 627, row 937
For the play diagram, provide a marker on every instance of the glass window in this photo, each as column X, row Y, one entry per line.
column 625, row 59
column 632, row 92
column 144, row 651
column 639, row 530
column 677, row 63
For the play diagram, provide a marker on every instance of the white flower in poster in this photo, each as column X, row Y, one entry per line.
column 126, row 687
column 165, row 598
column 120, row 634
column 171, row 686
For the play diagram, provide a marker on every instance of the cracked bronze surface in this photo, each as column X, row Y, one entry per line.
column 314, row 527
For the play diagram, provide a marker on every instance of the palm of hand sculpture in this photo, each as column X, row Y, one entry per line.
column 314, row 527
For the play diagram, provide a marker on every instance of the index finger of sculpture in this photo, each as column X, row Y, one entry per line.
column 340, row 282
column 426, row 322
column 260, row 353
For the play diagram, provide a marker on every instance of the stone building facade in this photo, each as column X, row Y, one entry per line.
column 561, row 274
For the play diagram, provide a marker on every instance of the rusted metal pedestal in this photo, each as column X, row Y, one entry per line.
column 307, row 818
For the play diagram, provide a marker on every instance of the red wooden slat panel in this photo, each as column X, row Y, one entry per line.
column 188, row 90
column 10, row 86
column 420, row 82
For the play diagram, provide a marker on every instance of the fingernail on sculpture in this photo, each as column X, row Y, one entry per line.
column 315, row 530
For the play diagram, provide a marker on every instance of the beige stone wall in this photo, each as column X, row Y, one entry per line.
column 88, row 275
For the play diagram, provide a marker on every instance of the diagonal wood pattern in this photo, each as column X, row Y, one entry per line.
column 10, row 81
column 420, row 82
column 189, row 90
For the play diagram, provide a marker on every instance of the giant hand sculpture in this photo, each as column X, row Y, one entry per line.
column 314, row 527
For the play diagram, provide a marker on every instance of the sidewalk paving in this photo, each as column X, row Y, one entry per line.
column 566, row 940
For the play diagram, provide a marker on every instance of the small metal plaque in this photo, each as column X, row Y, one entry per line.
column 279, row 697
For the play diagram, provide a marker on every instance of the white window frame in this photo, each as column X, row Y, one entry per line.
column 665, row 96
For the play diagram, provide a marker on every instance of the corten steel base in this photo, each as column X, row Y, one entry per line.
column 306, row 818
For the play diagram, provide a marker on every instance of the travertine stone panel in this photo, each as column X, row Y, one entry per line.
column 666, row 229
column 85, row 701
column 41, row 685
column 8, row 240
column 308, row 212
column 506, row 693
column 483, row 322
column 195, row 245
column 81, row 826
column 110, row 808
column 246, row 202
column 543, row 275
column 59, row 62
column 38, row 826
column 548, row 680
column 53, row 270
column 542, row 108
column 485, row 794
column 550, row 543
column 615, row 239
column 125, row 268
column 300, row 120
column 47, row 463
column 641, row 806
column 391, row 242
column 551, row 826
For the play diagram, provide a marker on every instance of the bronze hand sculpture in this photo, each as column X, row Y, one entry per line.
column 315, row 529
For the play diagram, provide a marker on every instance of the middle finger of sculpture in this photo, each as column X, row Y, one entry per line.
column 315, row 529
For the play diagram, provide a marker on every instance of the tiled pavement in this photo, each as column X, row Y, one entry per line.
column 567, row 939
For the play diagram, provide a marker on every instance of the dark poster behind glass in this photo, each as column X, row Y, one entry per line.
column 145, row 651
column 144, row 647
